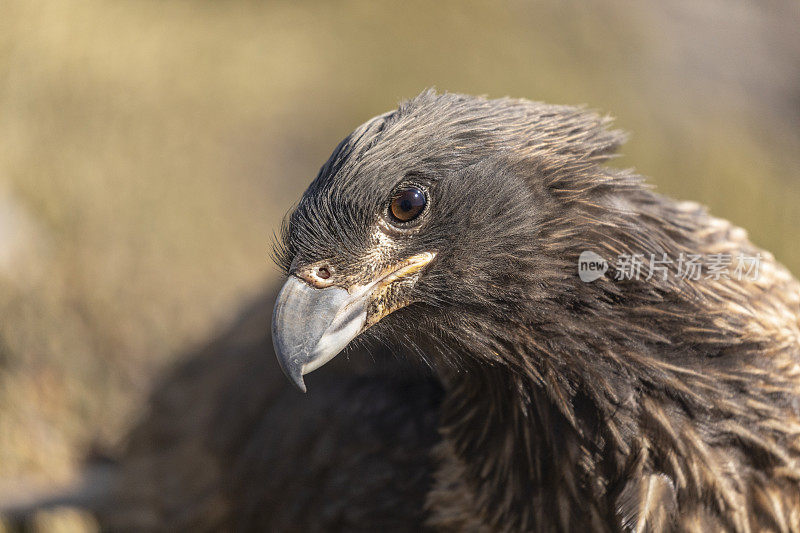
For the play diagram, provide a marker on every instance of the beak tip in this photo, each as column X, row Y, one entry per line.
column 292, row 371
column 299, row 383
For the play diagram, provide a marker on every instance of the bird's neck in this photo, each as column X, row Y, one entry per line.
column 559, row 407
column 546, row 412
column 549, row 434
column 519, row 458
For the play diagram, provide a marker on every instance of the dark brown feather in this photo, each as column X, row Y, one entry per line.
column 641, row 405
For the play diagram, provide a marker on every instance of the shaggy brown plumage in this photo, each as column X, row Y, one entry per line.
column 555, row 405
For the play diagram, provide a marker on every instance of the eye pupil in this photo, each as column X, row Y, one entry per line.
column 407, row 204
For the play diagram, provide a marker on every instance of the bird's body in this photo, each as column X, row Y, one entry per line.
column 226, row 446
column 663, row 403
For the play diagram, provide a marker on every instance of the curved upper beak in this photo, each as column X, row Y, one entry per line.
column 310, row 326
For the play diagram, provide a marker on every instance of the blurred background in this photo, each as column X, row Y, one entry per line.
column 149, row 149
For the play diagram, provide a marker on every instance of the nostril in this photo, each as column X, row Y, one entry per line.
column 318, row 275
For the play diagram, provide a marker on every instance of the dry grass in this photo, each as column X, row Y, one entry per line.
column 148, row 149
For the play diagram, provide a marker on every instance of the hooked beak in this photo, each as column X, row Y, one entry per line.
column 310, row 326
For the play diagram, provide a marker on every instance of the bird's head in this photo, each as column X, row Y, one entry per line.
column 450, row 211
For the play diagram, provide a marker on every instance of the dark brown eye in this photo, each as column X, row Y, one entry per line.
column 407, row 204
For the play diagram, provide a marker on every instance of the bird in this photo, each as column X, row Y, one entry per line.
column 487, row 384
column 227, row 444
